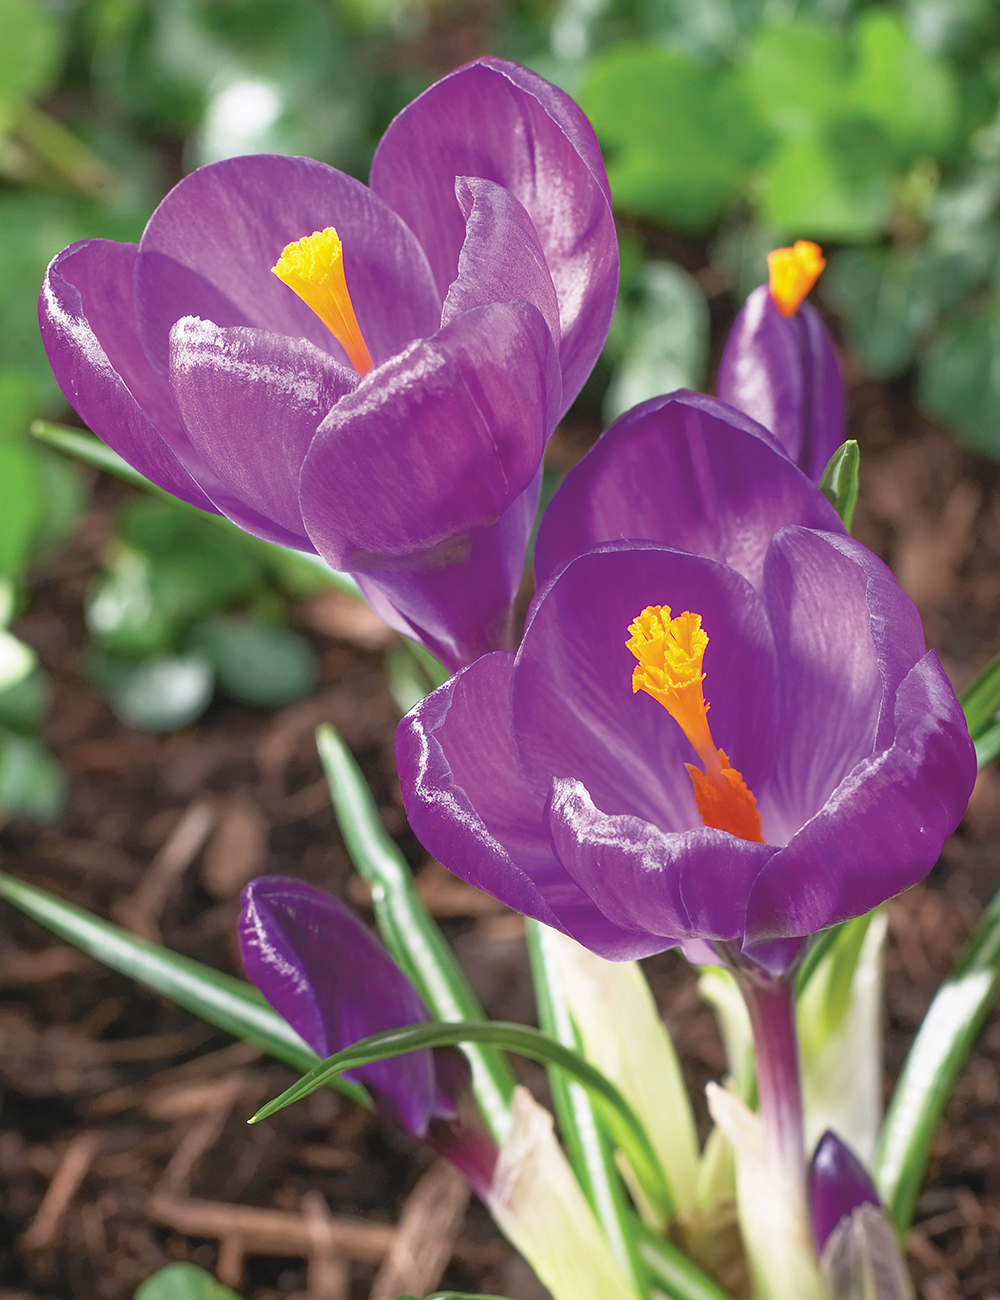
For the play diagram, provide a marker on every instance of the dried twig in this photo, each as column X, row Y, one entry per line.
column 329, row 1275
column 141, row 911
column 70, row 1173
column 426, row 1234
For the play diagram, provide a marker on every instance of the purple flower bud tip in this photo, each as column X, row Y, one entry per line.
column 838, row 1184
column 384, row 396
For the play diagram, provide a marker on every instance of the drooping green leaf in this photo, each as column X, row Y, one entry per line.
column 182, row 1281
column 228, row 1003
column 959, row 380
column 256, row 662
column 32, row 784
column 839, row 483
column 936, row 1059
column 626, row 1129
column 680, row 138
column 409, row 931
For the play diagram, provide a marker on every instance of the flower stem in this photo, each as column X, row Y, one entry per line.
column 770, row 1001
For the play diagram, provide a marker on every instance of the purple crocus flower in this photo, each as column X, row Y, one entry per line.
column 334, row 983
column 541, row 778
column 780, row 367
column 384, row 397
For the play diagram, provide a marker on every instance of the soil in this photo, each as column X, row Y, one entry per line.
column 122, row 1137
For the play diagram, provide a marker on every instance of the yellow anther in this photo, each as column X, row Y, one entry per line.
column 314, row 267
column 670, row 652
column 792, row 273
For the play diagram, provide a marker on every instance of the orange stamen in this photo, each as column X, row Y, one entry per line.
column 314, row 267
column 670, row 652
column 792, row 273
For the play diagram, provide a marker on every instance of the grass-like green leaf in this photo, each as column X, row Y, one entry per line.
column 619, row 1117
column 935, row 1060
column 675, row 1273
column 839, row 483
column 409, row 931
column 222, row 1000
column 981, row 698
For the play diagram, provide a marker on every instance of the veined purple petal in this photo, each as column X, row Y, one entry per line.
column 501, row 258
column 689, row 472
column 455, row 424
column 783, row 372
column 882, row 828
column 209, row 247
column 500, row 122
column 470, row 807
column 574, row 711
column 251, row 403
column 686, row 885
column 85, row 312
column 321, row 969
column 838, row 1184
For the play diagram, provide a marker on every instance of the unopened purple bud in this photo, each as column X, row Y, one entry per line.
column 838, row 1184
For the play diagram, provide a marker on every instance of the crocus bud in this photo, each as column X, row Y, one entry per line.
column 855, row 1241
column 780, row 368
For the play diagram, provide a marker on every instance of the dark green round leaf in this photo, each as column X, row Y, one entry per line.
column 160, row 694
column 125, row 613
column 32, row 783
column 257, row 662
column 959, row 381
column 183, row 1282
column 24, row 705
column 29, row 50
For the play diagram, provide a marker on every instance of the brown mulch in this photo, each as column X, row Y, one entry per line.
column 122, row 1137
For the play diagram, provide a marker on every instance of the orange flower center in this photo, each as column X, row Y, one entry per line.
column 670, row 653
column 792, row 273
column 314, row 267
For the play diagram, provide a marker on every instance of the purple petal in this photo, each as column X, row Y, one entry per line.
column 321, row 969
column 838, row 1184
column 461, row 608
column 882, row 829
column 501, row 258
column 251, row 403
column 498, row 121
column 470, row 807
column 85, row 312
column 687, row 471
column 574, row 711
column 783, row 372
column 210, row 245
column 676, row 886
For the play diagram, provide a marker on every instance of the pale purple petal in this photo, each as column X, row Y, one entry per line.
column 574, row 711
column 687, row 471
column 882, row 828
column 335, row 984
column 838, row 1184
column 85, row 312
column 251, row 403
column 498, row 121
column 501, row 258
column 783, row 372
column 694, row 884
column 470, row 807
column 209, row 247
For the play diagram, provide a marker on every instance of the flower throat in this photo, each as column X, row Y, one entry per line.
column 314, row 267
column 670, row 653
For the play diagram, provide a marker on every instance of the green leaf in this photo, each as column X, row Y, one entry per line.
column 903, row 88
column 676, row 1273
column 25, row 704
column 32, row 784
column 666, row 338
column 797, row 73
column 835, row 183
column 680, row 138
column 159, row 694
column 981, row 698
column 839, row 483
column 64, row 498
column 221, row 1000
column 589, row 1151
column 256, row 662
column 626, row 1129
column 959, row 380
column 936, row 1059
column 409, row 931
column 988, row 745
column 288, row 565
column 183, row 1282
column 29, row 51
column 21, row 505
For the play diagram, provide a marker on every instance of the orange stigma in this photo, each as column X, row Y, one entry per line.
column 670, row 653
column 792, row 273
column 314, row 267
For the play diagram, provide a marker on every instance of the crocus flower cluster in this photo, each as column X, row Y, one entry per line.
column 384, row 396
column 540, row 777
